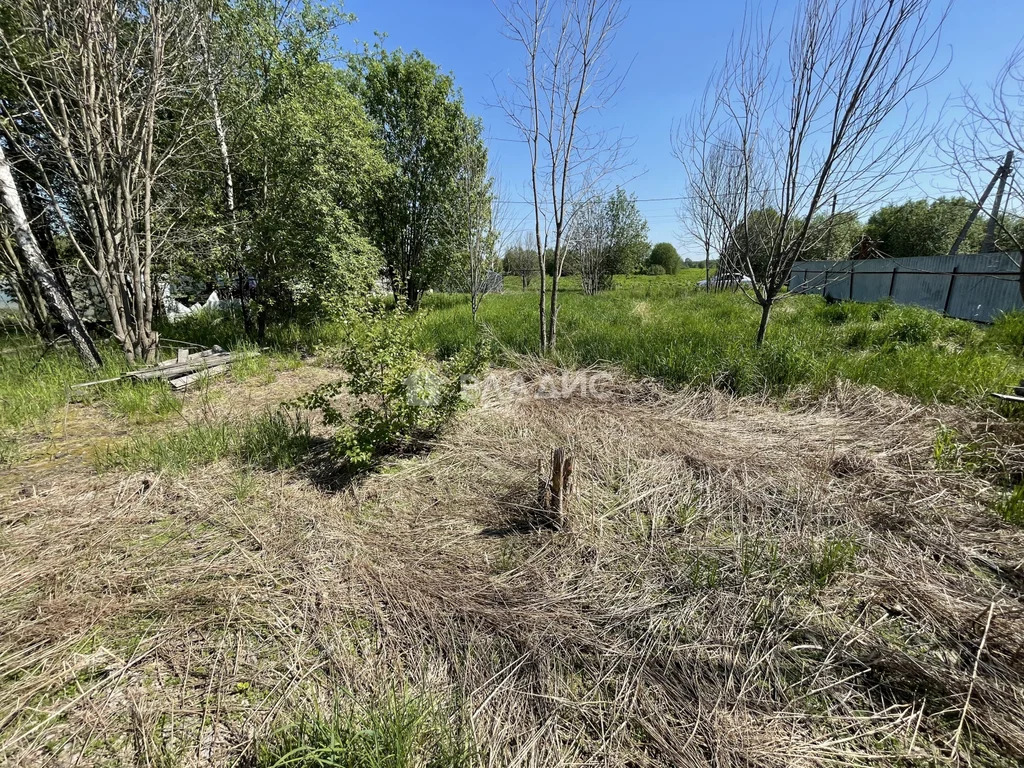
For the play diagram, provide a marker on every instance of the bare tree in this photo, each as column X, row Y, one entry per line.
column 57, row 301
column 97, row 76
column 713, row 202
column 832, row 123
column 567, row 76
column 521, row 260
column 992, row 124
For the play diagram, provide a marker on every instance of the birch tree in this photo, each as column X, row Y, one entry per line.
column 57, row 301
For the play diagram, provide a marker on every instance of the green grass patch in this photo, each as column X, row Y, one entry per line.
column 664, row 327
column 34, row 380
column 400, row 732
column 273, row 440
column 142, row 402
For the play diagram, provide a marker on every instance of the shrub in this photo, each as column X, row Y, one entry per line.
column 655, row 270
column 664, row 255
column 400, row 397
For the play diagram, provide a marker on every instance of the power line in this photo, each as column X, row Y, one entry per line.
column 678, row 198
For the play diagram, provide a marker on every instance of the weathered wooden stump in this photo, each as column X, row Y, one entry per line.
column 554, row 491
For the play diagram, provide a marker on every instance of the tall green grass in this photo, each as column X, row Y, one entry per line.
column 663, row 327
column 399, row 732
column 273, row 440
column 34, row 380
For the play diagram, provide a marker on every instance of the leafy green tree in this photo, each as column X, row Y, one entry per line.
column 421, row 123
column 917, row 228
column 832, row 238
column 628, row 231
column 664, row 255
column 303, row 158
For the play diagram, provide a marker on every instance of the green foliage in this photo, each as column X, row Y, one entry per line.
column 304, row 158
column 522, row 262
column 1007, row 332
column 421, row 124
column 34, row 380
column 142, row 402
column 832, row 238
column 664, row 255
column 1011, row 506
column 917, row 228
column 952, row 452
column 399, row 732
column 400, row 397
column 627, row 231
column 832, row 559
column 273, row 440
column 655, row 270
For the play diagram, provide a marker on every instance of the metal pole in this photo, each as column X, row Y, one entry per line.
column 989, row 243
column 949, row 290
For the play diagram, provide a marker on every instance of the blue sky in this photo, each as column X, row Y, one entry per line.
column 670, row 48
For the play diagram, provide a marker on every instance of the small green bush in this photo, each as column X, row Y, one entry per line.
column 401, row 398
column 655, row 270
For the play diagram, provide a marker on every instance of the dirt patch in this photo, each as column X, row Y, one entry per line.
column 737, row 584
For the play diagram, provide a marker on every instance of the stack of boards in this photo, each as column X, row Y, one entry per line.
column 184, row 370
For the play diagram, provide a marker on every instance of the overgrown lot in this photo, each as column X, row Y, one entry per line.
column 736, row 584
column 664, row 327
column 826, row 576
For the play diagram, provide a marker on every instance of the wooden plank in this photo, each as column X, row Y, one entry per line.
column 95, row 383
column 170, row 371
column 184, row 381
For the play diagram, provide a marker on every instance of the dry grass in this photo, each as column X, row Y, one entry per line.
column 737, row 585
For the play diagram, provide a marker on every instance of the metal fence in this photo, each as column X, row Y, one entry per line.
column 976, row 287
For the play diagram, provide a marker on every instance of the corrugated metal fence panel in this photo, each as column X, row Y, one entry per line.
column 970, row 286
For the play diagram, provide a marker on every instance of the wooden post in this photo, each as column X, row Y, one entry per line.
column 892, row 280
column 852, row 265
column 949, row 290
column 553, row 493
column 182, row 354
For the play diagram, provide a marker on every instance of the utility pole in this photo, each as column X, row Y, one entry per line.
column 831, row 223
column 989, row 243
column 977, row 208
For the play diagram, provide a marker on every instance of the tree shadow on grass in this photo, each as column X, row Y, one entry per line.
column 333, row 473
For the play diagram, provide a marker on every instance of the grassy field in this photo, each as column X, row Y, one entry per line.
column 663, row 327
